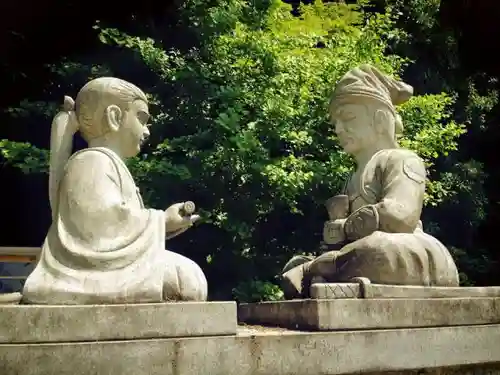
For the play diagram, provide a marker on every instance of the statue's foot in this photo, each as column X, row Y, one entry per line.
column 293, row 283
column 296, row 261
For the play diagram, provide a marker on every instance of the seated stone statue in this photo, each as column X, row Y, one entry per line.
column 103, row 245
column 376, row 223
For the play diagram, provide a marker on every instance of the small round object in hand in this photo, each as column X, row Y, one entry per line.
column 188, row 208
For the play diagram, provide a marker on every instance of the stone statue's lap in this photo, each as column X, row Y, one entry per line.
column 390, row 258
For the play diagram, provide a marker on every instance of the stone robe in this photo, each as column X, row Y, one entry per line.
column 385, row 239
column 104, row 246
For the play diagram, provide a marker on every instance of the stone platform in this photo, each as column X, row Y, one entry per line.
column 351, row 314
column 37, row 323
column 363, row 288
column 263, row 351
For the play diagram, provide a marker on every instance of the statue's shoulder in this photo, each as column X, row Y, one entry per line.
column 406, row 161
column 396, row 154
column 90, row 158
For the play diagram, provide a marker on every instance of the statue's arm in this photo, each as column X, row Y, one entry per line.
column 398, row 211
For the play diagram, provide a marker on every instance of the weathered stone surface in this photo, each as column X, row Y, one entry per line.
column 31, row 323
column 10, row 298
column 374, row 229
column 339, row 314
column 353, row 290
column 107, row 246
column 261, row 352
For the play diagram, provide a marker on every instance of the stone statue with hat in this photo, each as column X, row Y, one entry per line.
column 374, row 231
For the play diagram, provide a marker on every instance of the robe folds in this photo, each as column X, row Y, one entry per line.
column 385, row 241
column 103, row 245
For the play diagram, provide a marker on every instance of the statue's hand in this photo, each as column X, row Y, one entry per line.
column 333, row 231
column 362, row 223
column 178, row 218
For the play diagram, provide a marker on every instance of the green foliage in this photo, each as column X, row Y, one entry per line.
column 458, row 184
column 240, row 125
column 257, row 291
column 23, row 155
column 423, row 116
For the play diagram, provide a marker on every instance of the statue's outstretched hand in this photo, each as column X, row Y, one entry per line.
column 179, row 216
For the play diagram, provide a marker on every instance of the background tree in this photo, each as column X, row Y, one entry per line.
column 240, row 123
column 239, row 93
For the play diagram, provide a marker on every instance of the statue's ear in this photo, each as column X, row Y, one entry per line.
column 382, row 122
column 114, row 117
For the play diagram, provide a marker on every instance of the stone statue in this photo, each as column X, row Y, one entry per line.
column 374, row 229
column 103, row 245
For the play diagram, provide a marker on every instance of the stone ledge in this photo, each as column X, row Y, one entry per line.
column 256, row 352
column 354, row 290
column 346, row 314
column 21, row 251
column 36, row 323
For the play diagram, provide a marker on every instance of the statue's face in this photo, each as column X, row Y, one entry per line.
column 134, row 128
column 353, row 126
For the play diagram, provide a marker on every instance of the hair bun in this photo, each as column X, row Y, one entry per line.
column 69, row 104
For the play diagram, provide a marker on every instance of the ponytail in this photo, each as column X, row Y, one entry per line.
column 64, row 126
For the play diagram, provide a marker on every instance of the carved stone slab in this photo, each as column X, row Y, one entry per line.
column 350, row 313
column 367, row 290
column 440, row 351
column 35, row 323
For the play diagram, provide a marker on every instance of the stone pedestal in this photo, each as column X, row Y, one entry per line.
column 352, row 314
column 191, row 338
column 362, row 305
column 262, row 351
column 364, row 289
column 36, row 323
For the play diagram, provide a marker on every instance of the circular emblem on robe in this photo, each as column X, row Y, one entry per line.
column 414, row 169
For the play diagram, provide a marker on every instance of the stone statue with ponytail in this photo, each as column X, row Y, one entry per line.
column 104, row 245
column 63, row 128
column 374, row 231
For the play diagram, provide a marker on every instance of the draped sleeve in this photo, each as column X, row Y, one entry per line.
column 402, row 189
column 97, row 221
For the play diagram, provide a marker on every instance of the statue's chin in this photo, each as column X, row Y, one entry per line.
column 134, row 151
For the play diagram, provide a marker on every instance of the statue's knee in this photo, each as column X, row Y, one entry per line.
column 184, row 280
column 193, row 283
column 324, row 265
column 296, row 260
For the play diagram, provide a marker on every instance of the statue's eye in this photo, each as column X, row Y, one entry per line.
column 143, row 117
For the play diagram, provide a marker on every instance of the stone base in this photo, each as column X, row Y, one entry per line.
column 364, row 289
column 260, row 351
column 37, row 323
column 348, row 314
column 10, row 298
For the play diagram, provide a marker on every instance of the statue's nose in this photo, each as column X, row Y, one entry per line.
column 146, row 133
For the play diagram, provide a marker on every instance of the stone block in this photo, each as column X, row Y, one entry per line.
column 37, row 323
column 265, row 352
column 346, row 314
column 355, row 290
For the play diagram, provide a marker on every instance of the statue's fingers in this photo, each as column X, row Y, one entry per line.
column 194, row 218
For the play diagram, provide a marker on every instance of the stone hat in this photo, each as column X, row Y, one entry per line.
column 368, row 81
